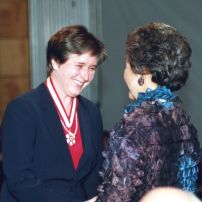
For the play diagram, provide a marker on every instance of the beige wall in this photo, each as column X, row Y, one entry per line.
column 14, row 51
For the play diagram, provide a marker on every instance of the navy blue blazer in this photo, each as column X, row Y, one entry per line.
column 36, row 159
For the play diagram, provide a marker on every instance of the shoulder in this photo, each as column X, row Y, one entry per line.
column 150, row 113
column 147, row 125
column 88, row 105
column 26, row 100
column 176, row 116
column 85, row 101
column 90, row 111
column 144, row 116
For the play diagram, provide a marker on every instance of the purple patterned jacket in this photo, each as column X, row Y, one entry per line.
column 153, row 145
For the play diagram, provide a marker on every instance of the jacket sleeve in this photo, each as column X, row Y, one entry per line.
column 131, row 166
column 122, row 176
column 93, row 179
column 18, row 133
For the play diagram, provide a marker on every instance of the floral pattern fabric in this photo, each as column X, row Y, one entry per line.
column 154, row 144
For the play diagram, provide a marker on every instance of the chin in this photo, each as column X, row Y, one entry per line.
column 131, row 96
column 76, row 91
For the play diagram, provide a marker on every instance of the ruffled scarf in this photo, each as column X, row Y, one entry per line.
column 161, row 96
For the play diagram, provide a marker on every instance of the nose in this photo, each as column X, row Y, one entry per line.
column 85, row 74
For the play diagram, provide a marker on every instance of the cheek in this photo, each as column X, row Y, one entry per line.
column 127, row 79
column 91, row 76
column 125, row 76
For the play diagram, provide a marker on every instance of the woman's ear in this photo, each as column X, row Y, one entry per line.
column 148, row 83
column 140, row 81
column 55, row 65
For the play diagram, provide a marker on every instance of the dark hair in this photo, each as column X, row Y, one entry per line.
column 73, row 39
column 157, row 48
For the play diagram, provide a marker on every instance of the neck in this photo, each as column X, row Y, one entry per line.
column 149, row 83
column 65, row 99
column 67, row 102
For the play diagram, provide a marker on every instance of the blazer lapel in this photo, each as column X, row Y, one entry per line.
column 51, row 119
column 86, row 133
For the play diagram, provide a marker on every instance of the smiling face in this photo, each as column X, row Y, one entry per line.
column 71, row 77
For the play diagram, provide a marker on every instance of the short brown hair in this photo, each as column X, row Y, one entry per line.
column 75, row 39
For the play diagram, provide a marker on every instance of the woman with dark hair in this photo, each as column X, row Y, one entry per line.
column 52, row 136
column 155, row 144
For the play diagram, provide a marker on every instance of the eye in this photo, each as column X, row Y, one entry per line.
column 93, row 68
column 79, row 66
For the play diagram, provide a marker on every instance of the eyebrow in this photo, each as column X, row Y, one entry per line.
column 82, row 63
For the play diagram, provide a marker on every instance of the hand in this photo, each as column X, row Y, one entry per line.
column 92, row 199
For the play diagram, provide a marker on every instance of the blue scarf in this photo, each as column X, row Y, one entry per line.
column 161, row 96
